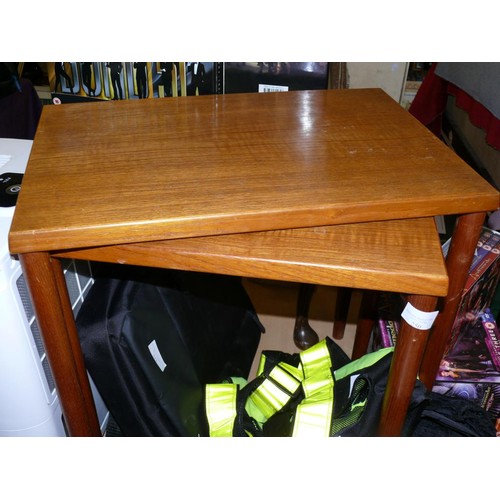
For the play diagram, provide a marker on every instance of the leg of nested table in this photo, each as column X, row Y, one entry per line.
column 342, row 303
column 366, row 320
column 458, row 261
column 52, row 306
column 304, row 335
column 404, row 369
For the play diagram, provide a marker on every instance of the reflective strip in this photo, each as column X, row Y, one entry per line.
column 274, row 392
column 288, row 376
column 314, row 414
column 318, row 383
column 262, row 362
column 316, row 359
column 221, row 409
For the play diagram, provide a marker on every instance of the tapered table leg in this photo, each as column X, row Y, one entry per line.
column 342, row 303
column 404, row 369
column 365, row 323
column 52, row 306
column 459, row 258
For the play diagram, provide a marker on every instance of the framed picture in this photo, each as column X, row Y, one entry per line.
column 274, row 76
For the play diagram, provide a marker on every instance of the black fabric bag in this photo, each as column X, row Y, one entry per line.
column 444, row 416
column 429, row 414
column 354, row 395
column 153, row 338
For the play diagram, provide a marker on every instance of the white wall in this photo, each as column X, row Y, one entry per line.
column 389, row 76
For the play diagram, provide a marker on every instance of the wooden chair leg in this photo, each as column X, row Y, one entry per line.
column 342, row 303
column 304, row 335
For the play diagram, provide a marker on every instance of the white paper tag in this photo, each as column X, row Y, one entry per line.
column 418, row 319
column 264, row 87
column 155, row 352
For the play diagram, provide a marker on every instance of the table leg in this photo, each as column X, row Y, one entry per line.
column 366, row 321
column 342, row 303
column 461, row 252
column 304, row 335
column 404, row 370
column 51, row 303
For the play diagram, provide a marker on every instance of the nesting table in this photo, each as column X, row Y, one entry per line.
column 334, row 187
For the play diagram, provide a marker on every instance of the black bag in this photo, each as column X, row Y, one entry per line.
column 444, row 416
column 153, row 338
column 347, row 396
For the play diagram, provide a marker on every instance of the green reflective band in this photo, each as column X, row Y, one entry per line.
column 363, row 362
column 262, row 362
column 221, row 408
column 313, row 415
column 318, row 383
column 274, row 392
column 287, row 375
column 316, row 359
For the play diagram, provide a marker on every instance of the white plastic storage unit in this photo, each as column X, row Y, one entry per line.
column 29, row 405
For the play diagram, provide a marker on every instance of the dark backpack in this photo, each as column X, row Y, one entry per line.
column 320, row 392
column 153, row 338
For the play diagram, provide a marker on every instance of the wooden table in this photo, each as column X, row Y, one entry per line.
column 109, row 180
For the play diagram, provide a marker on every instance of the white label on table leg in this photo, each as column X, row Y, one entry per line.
column 418, row 319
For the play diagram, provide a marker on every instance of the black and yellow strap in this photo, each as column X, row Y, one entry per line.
column 278, row 387
column 311, row 381
column 220, row 404
column 303, row 397
column 314, row 413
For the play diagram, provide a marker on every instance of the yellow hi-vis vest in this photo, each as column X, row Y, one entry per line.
column 308, row 386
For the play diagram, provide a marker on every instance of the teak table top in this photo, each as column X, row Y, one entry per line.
column 154, row 169
column 401, row 255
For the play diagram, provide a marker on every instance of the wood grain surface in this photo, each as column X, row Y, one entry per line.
column 403, row 256
column 152, row 169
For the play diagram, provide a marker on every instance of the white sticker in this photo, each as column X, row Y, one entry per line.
column 418, row 319
column 264, row 87
column 155, row 352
